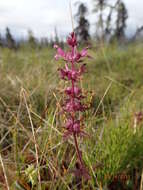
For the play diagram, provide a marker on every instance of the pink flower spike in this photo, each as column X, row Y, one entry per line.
column 73, row 105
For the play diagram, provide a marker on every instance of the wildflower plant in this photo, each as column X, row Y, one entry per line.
column 73, row 104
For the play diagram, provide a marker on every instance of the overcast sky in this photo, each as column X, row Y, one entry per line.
column 42, row 16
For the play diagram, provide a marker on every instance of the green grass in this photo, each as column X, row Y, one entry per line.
column 30, row 93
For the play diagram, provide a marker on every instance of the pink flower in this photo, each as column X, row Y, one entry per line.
column 73, row 127
column 71, row 74
column 78, row 56
column 69, row 56
column 60, row 53
column 74, row 106
column 71, row 40
column 76, row 127
column 73, row 92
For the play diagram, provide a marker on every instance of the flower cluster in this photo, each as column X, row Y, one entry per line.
column 72, row 72
column 73, row 104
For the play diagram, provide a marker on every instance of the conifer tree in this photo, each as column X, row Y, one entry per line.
column 100, row 5
column 1, row 40
column 82, row 29
column 122, row 16
column 10, row 42
column 31, row 39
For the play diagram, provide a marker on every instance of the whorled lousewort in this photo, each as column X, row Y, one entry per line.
column 73, row 104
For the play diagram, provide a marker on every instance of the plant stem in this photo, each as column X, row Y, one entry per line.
column 77, row 150
column 74, row 135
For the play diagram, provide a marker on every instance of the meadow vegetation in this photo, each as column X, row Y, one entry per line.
column 31, row 145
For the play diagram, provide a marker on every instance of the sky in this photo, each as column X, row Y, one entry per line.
column 42, row 16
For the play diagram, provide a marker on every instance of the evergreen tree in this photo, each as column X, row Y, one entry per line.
column 138, row 36
column 122, row 16
column 82, row 29
column 51, row 42
column 10, row 42
column 100, row 5
column 109, row 26
column 1, row 41
column 31, row 39
column 61, row 43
